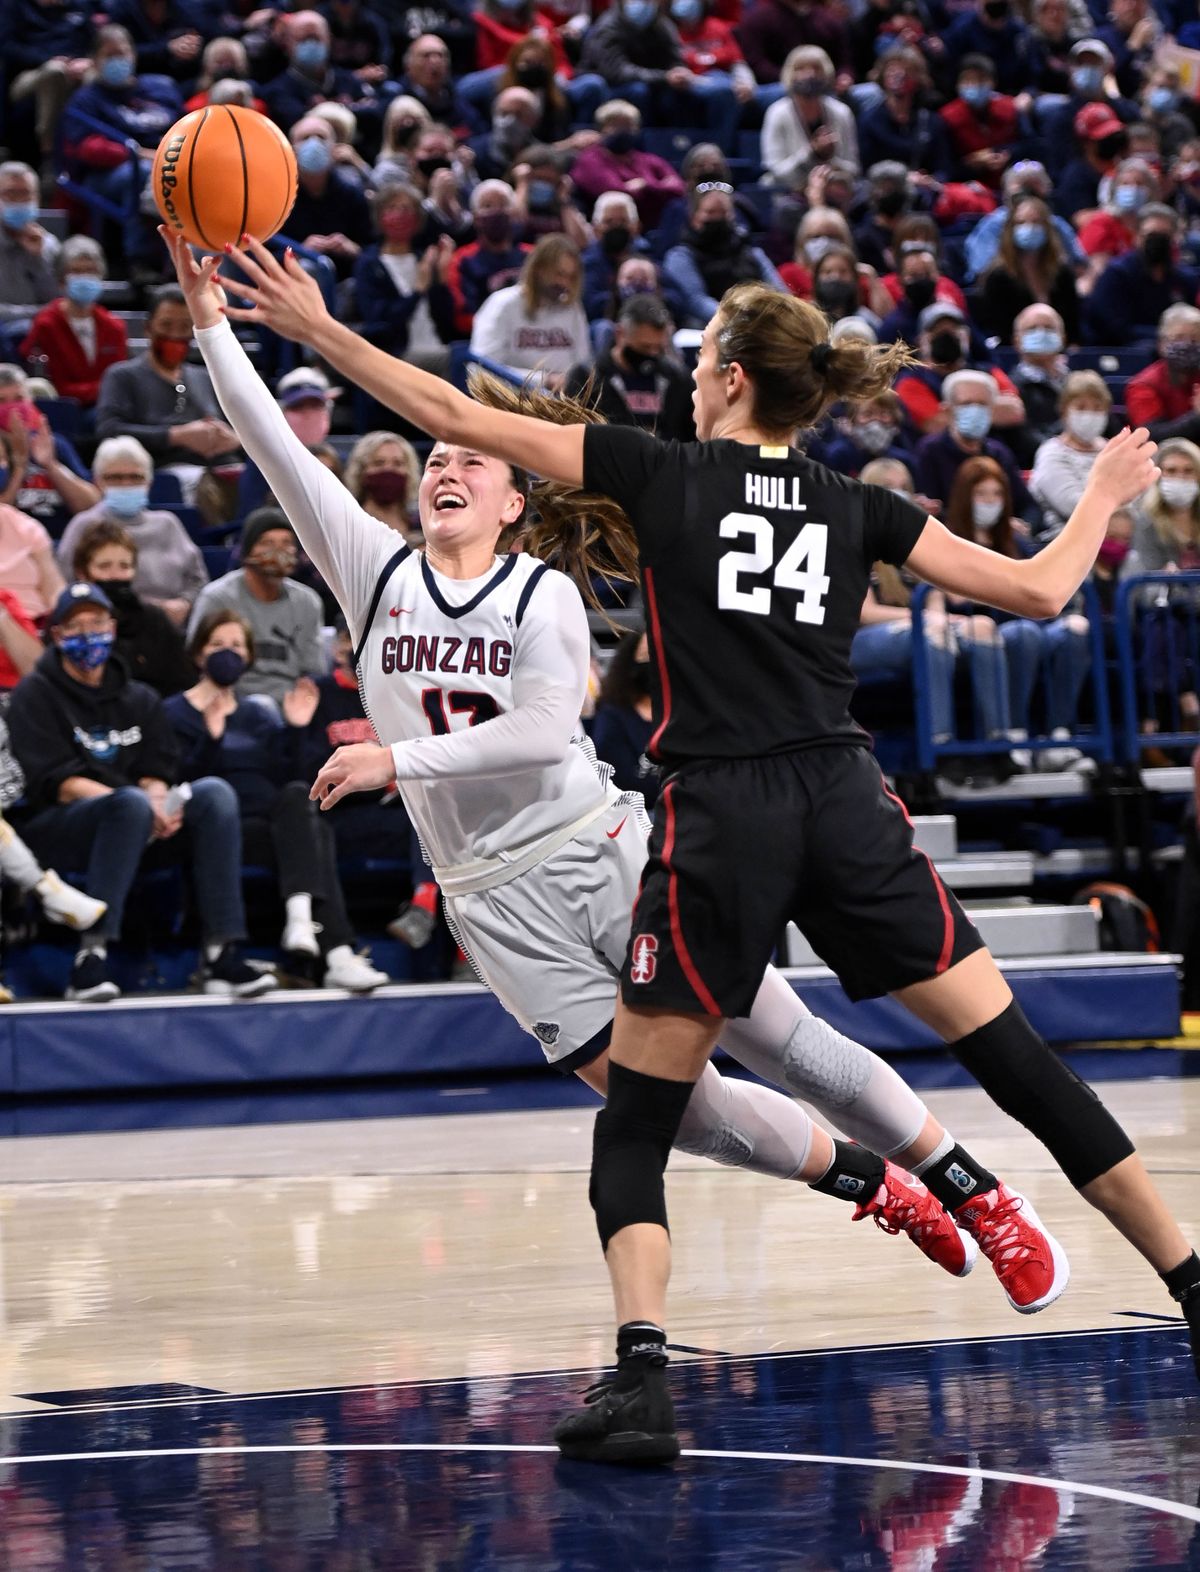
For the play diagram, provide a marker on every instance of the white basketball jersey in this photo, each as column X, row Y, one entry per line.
column 437, row 657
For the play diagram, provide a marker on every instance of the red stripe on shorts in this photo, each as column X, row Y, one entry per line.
column 943, row 960
column 685, row 960
column 656, row 643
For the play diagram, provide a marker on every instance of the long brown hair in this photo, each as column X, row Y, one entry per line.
column 526, row 48
column 549, row 251
column 796, row 374
column 959, row 520
column 1046, row 262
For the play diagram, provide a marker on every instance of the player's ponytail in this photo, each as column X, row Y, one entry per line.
column 782, row 344
column 585, row 536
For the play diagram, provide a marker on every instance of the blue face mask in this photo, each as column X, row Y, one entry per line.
column 543, row 196
column 84, row 289
column 17, row 214
column 1161, row 100
column 1029, row 237
column 127, row 501
column 310, row 54
column 1127, row 199
column 688, row 13
column 314, row 155
column 976, row 94
column 116, row 71
column 640, row 13
column 87, row 650
column 225, row 667
column 1041, row 341
column 1087, row 80
column 972, row 421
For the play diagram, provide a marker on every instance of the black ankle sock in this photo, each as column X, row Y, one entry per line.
column 957, row 1178
column 854, row 1174
column 640, row 1346
column 1181, row 1280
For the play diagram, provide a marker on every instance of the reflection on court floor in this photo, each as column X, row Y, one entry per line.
column 1079, row 1450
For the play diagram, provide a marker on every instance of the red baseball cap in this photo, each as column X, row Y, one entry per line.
column 1095, row 121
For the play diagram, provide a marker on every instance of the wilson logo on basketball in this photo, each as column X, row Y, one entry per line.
column 645, row 958
column 168, row 179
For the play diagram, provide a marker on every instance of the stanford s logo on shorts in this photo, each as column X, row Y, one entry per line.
column 645, row 958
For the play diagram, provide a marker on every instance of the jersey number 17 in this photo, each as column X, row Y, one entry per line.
column 801, row 568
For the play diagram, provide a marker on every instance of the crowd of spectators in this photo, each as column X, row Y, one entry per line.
column 564, row 190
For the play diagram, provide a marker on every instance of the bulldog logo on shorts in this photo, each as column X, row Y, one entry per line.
column 645, row 958
column 547, row 1032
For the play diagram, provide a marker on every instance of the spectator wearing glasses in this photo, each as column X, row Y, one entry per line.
column 1165, row 395
column 27, row 251
column 74, row 340
column 99, row 759
column 714, row 254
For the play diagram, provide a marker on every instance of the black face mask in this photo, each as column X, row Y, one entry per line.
column 891, row 204
column 430, row 166
column 1112, row 146
column 1156, row 248
column 641, row 365
column 615, row 240
column 945, row 348
column 837, row 297
column 715, row 234
column 533, row 76
column 995, row 10
column 119, row 591
column 639, row 677
column 919, row 292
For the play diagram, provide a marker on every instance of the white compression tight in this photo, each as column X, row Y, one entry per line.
column 781, row 1041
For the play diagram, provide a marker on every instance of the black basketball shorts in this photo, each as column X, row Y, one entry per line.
column 741, row 847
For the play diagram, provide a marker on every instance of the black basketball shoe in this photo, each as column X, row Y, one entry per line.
column 629, row 1419
column 1190, row 1305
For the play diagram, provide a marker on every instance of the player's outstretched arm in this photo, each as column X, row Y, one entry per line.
column 284, row 298
column 1041, row 586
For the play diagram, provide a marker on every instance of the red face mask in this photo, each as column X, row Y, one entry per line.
column 399, row 224
column 172, row 352
column 21, row 410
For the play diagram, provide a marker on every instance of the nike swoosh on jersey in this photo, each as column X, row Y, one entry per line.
column 400, row 611
column 612, row 834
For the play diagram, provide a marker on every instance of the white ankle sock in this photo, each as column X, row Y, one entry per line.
column 944, row 1146
column 298, row 908
column 94, row 947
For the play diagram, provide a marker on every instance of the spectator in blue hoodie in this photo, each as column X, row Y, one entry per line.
column 48, row 49
column 993, row 29
column 874, row 430
column 111, row 110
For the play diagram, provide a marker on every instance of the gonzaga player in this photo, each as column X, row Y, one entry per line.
column 477, row 664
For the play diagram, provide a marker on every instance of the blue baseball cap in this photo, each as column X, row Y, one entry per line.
column 75, row 596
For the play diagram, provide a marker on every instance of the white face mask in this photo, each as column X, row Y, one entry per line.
column 1177, row 492
column 986, row 515
column 1085, row 425
column 816, row 248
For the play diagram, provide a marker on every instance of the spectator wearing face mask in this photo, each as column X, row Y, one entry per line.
column 74, row 340
column 27, row 251
column 621, row 727
column 404, row 119
column 983, row 124
column 872, row 430
column 360, row 40
column 544, row 199
column 1110, row 559
column 223, row 59
column 889, row 201
column 538, row 325
column 46, row 478
column 99, row 760
column 168, row 405
column 715, row 255
column 285, row 616
column 1102, row 141
column 968, row 401
column 493, row 260
column 1133, row 292
column 617, row 163
column 383, row 475
column 1041, row 371
column 944, row 345
column 401, row 286
column 1163, row 109
column 619, row 239
column 1064, row 462
column 331, row 215
column 306, row 399
column 1112, row 230
column 310, row 79
column 636, row 382
column 147, row 641
column 255, row 749
column 1025, row 178
column 531, row 65
column 1030, row 268
column 703, row 164
column 27, row 568
column 992, row 31
column 515, row 114
column 1165, row 395
column 171, row 571
column 901, row 127
column 807, row 126
column 917, row 286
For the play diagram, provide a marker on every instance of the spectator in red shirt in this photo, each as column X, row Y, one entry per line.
column 1111, row 231
column 771, row 29
column 224, row 59
column 20, row 646
column 1165, row 397
column 982, row 124
column 616, row 163
column 493, row 260
column 915, row 234
column 711, row 50
column 500, row 25
column 74, row 337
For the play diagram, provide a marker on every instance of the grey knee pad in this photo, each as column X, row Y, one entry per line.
column 852, row 1087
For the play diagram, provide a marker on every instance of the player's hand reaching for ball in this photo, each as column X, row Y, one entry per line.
column 1124, row 467
column 360, row 766
column 283, row 296
column 198, row 280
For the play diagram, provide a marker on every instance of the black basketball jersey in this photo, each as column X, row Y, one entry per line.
column 755, row 564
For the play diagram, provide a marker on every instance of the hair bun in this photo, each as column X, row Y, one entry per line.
column 819, row 355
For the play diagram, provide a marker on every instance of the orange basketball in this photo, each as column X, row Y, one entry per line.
column 223, row 172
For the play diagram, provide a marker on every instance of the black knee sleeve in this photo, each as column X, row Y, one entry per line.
column 1032, row 1084
column 632, row 1140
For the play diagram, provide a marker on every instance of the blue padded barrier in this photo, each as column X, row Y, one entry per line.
column 1158, row 658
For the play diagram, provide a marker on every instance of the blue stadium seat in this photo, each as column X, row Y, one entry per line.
column 749, row 146
column 666, row 142
column 165, row 490
column 217, row 560
column 64, row 415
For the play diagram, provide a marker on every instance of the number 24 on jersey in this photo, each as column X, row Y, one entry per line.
column 801, row 568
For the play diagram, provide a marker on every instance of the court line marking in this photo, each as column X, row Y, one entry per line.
column 896, row 1465
column 154, row 1404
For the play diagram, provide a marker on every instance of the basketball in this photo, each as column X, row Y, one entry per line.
column 223, row 172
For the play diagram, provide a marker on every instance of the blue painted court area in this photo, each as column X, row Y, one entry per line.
column 1073, row 1451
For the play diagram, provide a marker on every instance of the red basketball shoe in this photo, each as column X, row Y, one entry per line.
column 1030, row 1263
column 902, row 1205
